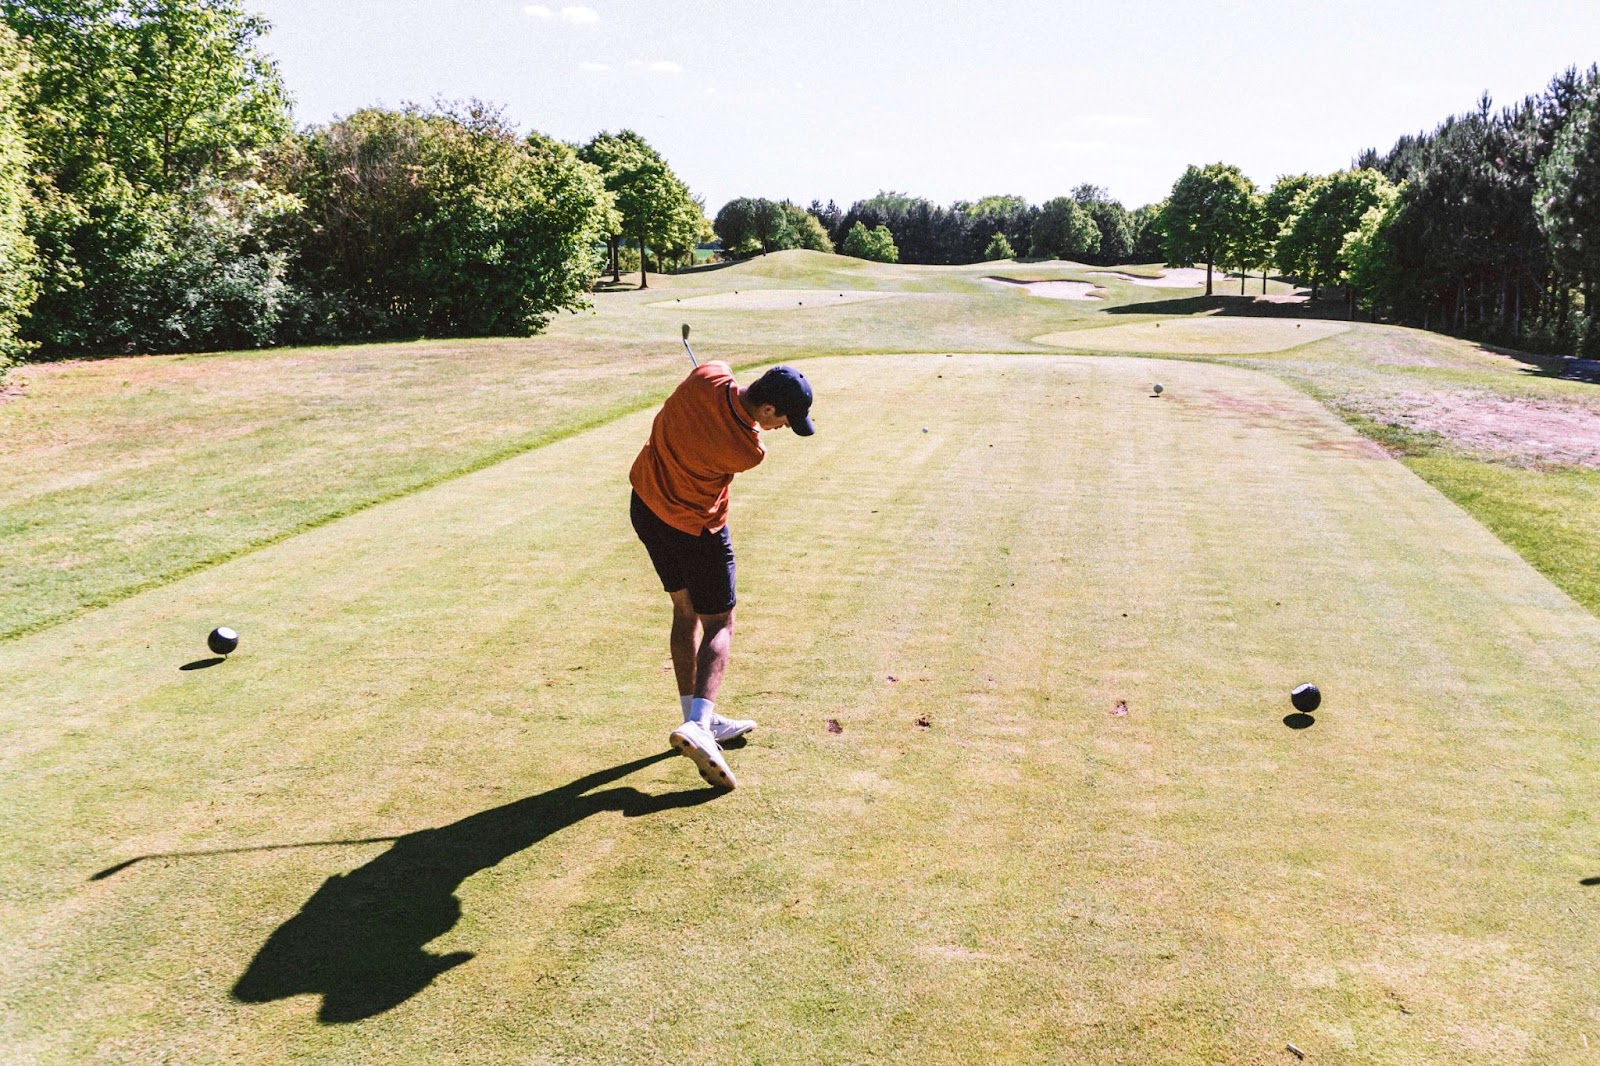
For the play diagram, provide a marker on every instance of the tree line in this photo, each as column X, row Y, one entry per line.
column 1485, row 227
column 1489, row 226
column 1088, row 226
column 1493, row 229
column 155, row 196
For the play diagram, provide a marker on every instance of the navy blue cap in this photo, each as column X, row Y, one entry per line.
column 787, row 390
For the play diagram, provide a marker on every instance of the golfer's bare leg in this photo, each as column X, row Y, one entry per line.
column 716, row 642
column 685, row 641
column 702, row 669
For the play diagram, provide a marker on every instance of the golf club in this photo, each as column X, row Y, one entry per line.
column 686, row 347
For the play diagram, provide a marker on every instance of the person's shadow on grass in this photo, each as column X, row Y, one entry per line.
column 360, row 940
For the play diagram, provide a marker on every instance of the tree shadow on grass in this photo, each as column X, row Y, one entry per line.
column 1536, row 365
column 360, row 941
column 1233, row 306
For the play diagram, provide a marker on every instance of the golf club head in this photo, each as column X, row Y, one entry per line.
column 692, row 360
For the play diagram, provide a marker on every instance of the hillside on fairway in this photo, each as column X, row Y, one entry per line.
column 477, row 670
column 128, row 473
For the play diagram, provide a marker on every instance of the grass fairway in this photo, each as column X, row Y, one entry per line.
column 1198, row 336
column 124, row 474
column 479, row 670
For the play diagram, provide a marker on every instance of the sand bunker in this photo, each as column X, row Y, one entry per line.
column 774, row 299
column 1198, row 336
column 1053, row 290
column 1176, row 278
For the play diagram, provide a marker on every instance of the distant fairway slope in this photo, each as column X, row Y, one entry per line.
column 1198, row 336
column 1105, row 844
column 122, row 474
column 771, row 299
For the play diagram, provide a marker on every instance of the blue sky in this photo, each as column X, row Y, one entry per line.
column 946, row 100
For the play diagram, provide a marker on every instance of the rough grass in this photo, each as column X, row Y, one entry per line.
column 1550, row 517
column 479, row 670
column 125, row 473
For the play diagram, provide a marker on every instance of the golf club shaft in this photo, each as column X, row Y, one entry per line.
column 690, row 350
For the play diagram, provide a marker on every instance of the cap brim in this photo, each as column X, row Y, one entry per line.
column 802, row 425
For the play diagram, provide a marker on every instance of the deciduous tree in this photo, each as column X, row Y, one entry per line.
column 655, row 207
column 806, row 230
column 1311, row 242
column 876, row 244
column 1111, row 219
column 1373, row 270
column 735, row 226
column 1064, row 230
column 19, row 261
column 146, row 120
column 444, row 223
column 1209, row 209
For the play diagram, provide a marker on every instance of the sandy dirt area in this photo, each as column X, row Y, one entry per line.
column 774, row 299
column 1053, row 290
column 1517, row 429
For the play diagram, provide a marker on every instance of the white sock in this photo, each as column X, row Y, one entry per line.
column 700, row 711
column 686, row 701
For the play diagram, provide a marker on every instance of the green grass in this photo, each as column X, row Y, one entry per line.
column 452, row 639
column 128, row 473
column 1031, row 878
column 122, row 474
column 1550, row 517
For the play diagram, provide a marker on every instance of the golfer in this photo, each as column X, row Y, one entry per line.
column 708, row 430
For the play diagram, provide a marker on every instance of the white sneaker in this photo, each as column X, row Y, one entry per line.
column 695, row 741
column 726, row 729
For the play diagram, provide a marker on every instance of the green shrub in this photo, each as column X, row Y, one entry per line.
column 998, row 248
column 444, row 224
column 876, row 244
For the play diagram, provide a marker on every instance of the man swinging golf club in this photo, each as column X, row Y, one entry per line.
column 708, row 430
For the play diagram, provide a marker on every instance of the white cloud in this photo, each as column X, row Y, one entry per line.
column 594, row 68
column 660, row 66
column 573, row 14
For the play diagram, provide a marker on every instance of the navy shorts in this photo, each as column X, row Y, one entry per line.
column 703, row 564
